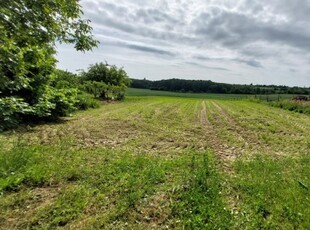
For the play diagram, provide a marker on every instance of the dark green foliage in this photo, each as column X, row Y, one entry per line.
column 11, row 109
column 64, row 79
column 69, row 81
column 86, row 101
column 28, row 31
column 201, row 86
column 106, row 82
column 96, row 88
column 56, row 102
column 118, row 91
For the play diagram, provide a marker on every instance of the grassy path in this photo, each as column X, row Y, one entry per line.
column 159, row 162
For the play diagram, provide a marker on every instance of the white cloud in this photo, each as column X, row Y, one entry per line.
column 245, row 41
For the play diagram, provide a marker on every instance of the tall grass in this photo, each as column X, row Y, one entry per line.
column 296, row 106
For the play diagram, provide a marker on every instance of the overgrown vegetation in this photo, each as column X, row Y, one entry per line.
column 31, row 88
column 106, row 82
column 293, row 105
column 28, row 31
column 65, row 93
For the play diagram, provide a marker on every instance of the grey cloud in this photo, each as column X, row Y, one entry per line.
column 259, row 51
column 149, row 49
column 218, row 24
column 102, row 19
column 154, row 16
column 139, row 30
column 204, row 58
column 112, row 8
column 296, row 11
column 234, row 29
column 143, row 22
column 252, row 63
column 207, row 67
column 249, row 62
column 141, row 48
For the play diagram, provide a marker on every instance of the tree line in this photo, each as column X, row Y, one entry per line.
column 207, row 86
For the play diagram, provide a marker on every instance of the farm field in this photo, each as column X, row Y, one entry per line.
column 163, row 162
column 148, row 92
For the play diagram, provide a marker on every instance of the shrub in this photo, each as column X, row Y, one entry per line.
column 107, row 81
column 86, row 101
column 296, row 106
column 52, row 104
column 28, row 33
column 57, row 102
column 11, row 109
column 64, row 79
column 98, row 89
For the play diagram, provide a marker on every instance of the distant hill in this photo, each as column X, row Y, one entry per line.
column 207, row 86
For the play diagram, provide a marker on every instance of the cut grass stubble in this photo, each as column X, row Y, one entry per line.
column 155, row 162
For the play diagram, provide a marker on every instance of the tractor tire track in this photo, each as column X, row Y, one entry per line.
column 249, row 138
column 223, row 152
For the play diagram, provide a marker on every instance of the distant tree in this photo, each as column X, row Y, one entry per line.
column 115, row 78
column 200, row 86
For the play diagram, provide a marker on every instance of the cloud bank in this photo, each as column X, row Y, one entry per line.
column 245, row 41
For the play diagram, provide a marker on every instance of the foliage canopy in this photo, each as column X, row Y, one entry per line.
column 106, row 81
column 29, row 30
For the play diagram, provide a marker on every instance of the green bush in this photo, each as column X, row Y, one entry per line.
column 56, row 102
column 106, row 82
column 28, row 33
column 64, row 79
column 296, row 106
column 11, row 109
column 52, row 104
column 86, row 101
column 98, row 89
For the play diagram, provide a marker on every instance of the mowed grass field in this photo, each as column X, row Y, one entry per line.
column 158, row 162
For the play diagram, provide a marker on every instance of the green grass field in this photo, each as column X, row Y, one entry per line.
column 160, row 162
column 147, row 92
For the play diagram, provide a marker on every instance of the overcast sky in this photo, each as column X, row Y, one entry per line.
column 232, row 41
